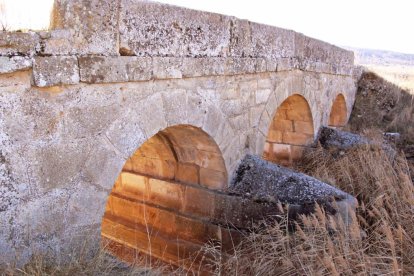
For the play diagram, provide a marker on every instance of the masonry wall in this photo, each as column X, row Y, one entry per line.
column 78, row 101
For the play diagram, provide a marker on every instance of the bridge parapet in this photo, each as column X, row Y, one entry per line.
column 125, row 40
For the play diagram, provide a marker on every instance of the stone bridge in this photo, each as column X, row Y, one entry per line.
column 127, row 119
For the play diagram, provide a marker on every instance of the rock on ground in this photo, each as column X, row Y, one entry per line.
column 266, row 181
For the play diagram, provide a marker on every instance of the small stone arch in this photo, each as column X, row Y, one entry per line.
column 338, row 115
column 152, row 207
column 290, row 131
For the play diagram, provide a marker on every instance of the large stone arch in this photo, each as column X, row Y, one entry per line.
column 153, row 206
column 290, row 131
column 142, row 111
column 288, row 85
column 162, row 109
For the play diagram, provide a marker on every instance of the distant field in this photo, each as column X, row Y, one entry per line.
column 402, row 76
column 397, row 68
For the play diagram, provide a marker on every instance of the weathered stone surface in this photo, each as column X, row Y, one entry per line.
column 16, row 63
column 310, row 50
column 339, row 141
column 50, row 71
column 114, row 69
column 167, row 68
column 197, row 67
column 14, row 82
column 17, row 43
column 58, row 42
column 342, row 140
column 240, row 39
column 271, row 42
column 153, row 29
column 265, row 181
column 94, row 25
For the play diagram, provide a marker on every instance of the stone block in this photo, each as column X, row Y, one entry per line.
column 166, row 194
column 187, row 173
column 15, row 82
column 175, row 106
column 299, row 114
column 297, row 138
column 18, row 43
column 198, row 202
column 167, row 67
column 189, row 139
column 114, row 69
column 240, row 38
column 240, row 122
column 55, row 70
column 281, row 113
column 94, row 25
column 213, row 179
column 236, row 211
column 267, row 151
column 315, row 51
column 303, row 127
column 254, row 116
column 264, row 83
column 59, row 42
column 202, row 66
column 197, row 230
column 205, row 159
column 133, row 184
column 60, row 164
column 165, row 221
column 125, row 209
column 154, row 29
column 132, row 235
column 282, row 125
column 16, row 63
column 237, row 66
column 154, row 150
column 275, row 136
column 164, row 169
column 262, row 95
column 152, row 115
column 261, row 65
column 271, row 42
column 281, row 151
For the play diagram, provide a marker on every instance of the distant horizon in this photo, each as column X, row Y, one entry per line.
column 373, row 49
column 371, row 25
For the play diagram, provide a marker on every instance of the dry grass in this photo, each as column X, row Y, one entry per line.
column 378, row 241
column 401, row 75
column 81, row 263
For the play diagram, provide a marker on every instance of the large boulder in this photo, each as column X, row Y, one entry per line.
column 342, row 140
column 265, row 181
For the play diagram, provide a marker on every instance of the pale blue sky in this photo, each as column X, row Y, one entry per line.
column 386, row 25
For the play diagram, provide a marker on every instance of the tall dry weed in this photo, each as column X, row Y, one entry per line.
column 379, row 240
column 82, row 262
